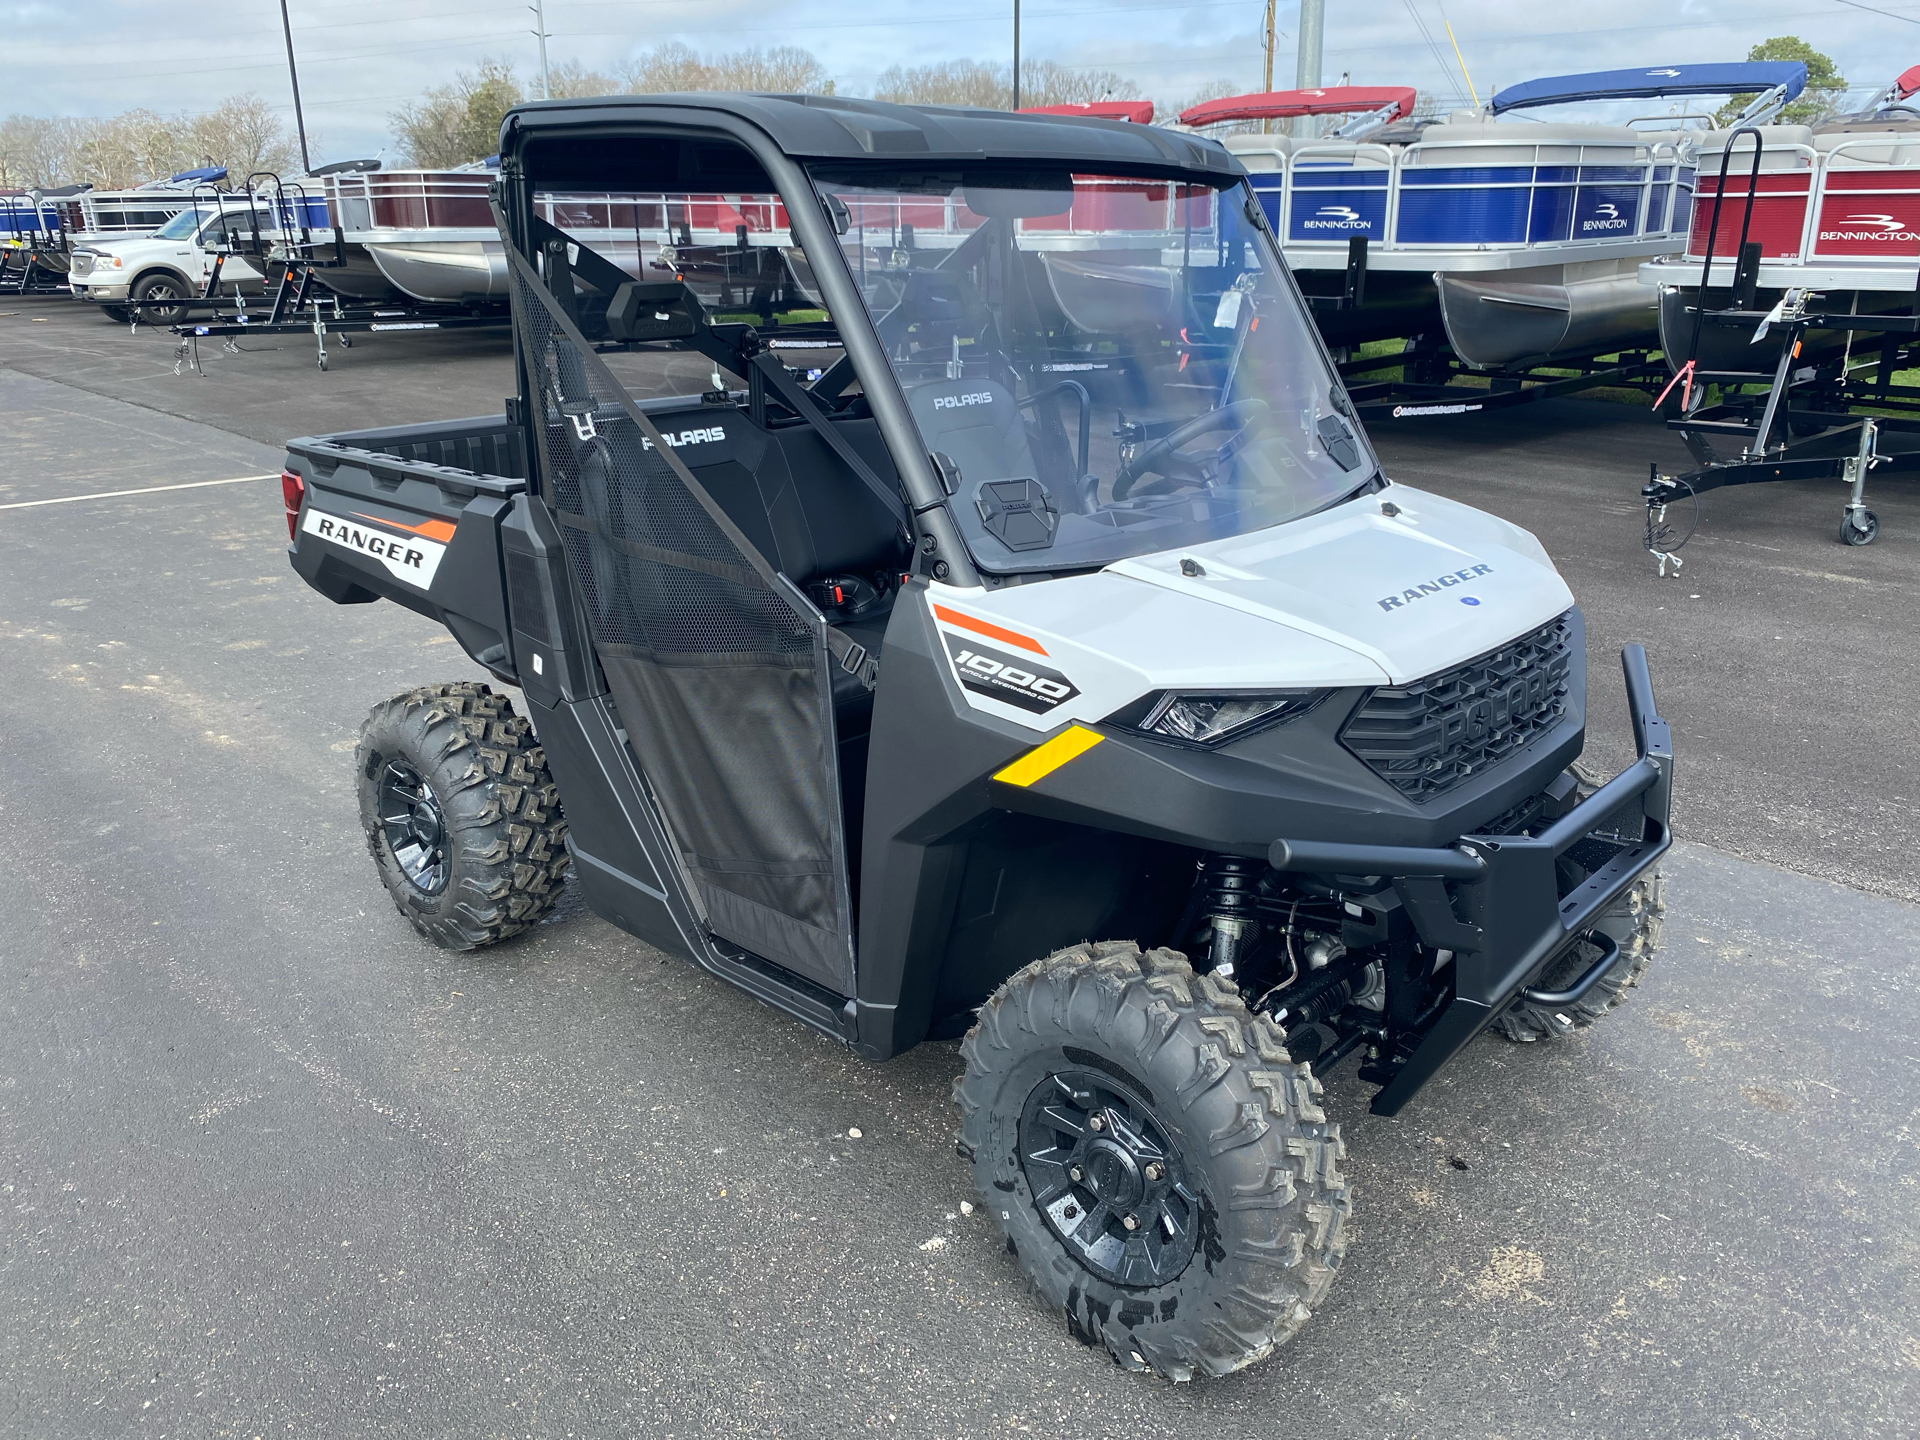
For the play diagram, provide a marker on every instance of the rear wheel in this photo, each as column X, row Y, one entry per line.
column 461, row 815
column 1157, row 1162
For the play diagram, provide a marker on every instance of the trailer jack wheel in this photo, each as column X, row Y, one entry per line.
column 1859, row 527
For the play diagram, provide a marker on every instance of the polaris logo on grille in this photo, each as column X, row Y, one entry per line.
column 955, row 402
column 1010, row 679
column 1437, row 586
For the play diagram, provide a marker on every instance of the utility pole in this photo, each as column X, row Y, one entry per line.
column 1016, row 54
column 1266, row 80
column 299, row 120
column 539, row 9
column 1313, row 18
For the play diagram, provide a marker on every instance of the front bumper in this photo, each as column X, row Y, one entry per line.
column 1516, row 922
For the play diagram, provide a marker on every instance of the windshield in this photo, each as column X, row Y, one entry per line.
column 180, row 226
column 1101, row 366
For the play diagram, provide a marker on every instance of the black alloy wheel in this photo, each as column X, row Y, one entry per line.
column 1159, row 1165
column 1109, row 1182
column 414, row 825
column 462, row 816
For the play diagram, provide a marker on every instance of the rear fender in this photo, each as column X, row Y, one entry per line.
column 374, row 526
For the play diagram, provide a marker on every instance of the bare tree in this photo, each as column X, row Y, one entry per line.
column 570, row 80
column 780, row 70
column 459, row 123
column 38, row 153
column 981, row 85
column 245, row 135
column 132, row 147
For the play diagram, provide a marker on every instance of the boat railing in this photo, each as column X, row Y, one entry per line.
column 1423, row 198
column 1866, row 202
column 1774, row 196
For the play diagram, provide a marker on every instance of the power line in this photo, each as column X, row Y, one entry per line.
column 1855, row 4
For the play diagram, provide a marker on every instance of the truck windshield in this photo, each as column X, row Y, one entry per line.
column 181, row 226
column 1101, row 366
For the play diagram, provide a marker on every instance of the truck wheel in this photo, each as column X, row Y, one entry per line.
column 1157, row 1162
column 156, row 290
column 119, row 314
column 462, row 817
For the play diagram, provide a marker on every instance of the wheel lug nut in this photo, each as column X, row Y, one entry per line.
column 1131, row 1222
column 1097, row 1123
column 1076, row 1174
column 1155, row 1170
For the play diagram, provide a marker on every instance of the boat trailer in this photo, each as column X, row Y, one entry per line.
column 302, row 302
column 303, row 305
column 1433, row 381
column 1827, row 411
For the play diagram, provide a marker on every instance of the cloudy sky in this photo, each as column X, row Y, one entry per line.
column 360, row 59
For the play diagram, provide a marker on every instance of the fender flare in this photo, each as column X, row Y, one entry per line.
column 174, row 272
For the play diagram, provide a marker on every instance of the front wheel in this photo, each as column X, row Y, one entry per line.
column 461, row 816
column 1160, row 1166
column 163, row 299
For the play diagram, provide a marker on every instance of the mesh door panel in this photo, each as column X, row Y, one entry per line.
column 721, row 685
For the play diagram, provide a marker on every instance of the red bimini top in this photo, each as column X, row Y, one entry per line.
column 1908, row 82
column 1285, row 104
column 1140, row 112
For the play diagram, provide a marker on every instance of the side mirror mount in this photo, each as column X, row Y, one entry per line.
column 654, row 310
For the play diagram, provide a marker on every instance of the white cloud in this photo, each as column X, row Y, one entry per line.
column 361, row 59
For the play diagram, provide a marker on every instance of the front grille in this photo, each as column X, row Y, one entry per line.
column 1427, row 737
column 82, row 264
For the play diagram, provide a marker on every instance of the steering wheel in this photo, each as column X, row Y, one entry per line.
column 1169, row 456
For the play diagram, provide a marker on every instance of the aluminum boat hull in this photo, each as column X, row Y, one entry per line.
column 1529, row 316
column 444, row 271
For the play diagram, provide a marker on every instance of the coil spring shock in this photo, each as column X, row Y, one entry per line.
column 1231, row 908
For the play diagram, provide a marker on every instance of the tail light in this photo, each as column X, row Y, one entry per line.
column 293, row 491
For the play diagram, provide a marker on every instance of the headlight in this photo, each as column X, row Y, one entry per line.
column 1211, row 718
column 118, row 263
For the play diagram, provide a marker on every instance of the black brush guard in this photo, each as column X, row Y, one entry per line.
column 1494, row 900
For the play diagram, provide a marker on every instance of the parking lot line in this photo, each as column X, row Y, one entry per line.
column 145, row 490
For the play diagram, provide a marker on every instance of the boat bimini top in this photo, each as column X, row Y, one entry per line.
column 1773, row 84
column 1138, row 112
column 1374, row 105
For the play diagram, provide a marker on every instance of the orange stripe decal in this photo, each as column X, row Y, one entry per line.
column 441, row 530
column 992, row 632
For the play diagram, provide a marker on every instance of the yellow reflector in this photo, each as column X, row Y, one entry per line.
column 1043, row 760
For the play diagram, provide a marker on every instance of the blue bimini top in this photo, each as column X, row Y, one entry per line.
column 1747, row 77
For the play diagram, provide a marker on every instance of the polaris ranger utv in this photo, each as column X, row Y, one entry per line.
column 950, row 594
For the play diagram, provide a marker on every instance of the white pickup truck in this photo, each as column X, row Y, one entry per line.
column 164, row 272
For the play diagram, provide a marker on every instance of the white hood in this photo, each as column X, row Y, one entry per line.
column 1415, row 592
column 1353, row 597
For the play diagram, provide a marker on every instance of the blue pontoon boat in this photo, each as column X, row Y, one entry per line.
column 1522, row 238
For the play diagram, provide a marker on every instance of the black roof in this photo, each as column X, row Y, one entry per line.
column 815, row 127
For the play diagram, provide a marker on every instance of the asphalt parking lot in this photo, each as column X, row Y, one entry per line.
column 272, row 1166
